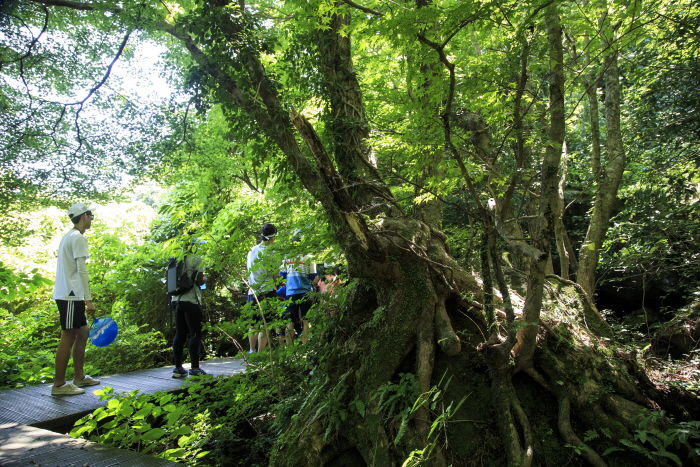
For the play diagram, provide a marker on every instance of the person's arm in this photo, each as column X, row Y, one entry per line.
column 203, row 274
column 84, row 280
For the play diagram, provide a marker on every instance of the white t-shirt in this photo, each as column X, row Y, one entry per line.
column 259, row 278
column 69, row 284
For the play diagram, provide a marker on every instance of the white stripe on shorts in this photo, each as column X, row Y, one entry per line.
column 70, row 312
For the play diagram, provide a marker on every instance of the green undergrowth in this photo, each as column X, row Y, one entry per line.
column 31, row 334
column 231, row 421
column 28, row 341
column 239, row 420
column 657, row 350
column 658, row 438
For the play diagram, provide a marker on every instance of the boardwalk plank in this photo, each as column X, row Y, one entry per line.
column 143, row 382
column 10, row 416
column 36, row 407
column 22, row 445
column 28, row 446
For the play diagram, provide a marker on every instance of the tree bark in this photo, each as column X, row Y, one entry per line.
column 543, row 231
column 609, row 183
column 348, row 123
column 567, row 257
column 428, row 207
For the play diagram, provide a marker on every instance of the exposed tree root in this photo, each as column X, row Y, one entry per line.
column 677, row 338
column 444, row 333
column 511, row 419
column 425, row 358
column 570, row 437
column 401, row 326
column 527, row 452
column 682, row 405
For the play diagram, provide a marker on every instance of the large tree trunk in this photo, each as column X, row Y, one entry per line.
column 565, row 260
column 543, row 227
column 427, row 207
column 609, row 181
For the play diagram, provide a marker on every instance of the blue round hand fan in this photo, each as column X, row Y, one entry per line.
column 103, row 331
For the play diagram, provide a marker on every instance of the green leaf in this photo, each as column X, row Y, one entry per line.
column 174, row 454
column 185, row 440
column 610, row 450
column 360, row 407
column 174, row 416
column 183, row 430
column 142, row 413
column 142, row 428
column 77, row 432
column 101, row 414
column 126, row 409
column 153, row 434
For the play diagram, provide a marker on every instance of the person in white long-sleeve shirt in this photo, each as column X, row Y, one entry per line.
column 72, row 294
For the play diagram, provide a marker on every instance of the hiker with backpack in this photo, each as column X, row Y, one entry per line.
column 184, row 279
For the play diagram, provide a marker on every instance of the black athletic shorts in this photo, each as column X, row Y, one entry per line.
column 261, row 296
column 72, row 314
column 299, row 305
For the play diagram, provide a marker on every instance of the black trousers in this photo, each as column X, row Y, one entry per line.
column 188, row 323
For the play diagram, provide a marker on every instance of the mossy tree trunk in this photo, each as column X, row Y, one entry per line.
column 395, row 321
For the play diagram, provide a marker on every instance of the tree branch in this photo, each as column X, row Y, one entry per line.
column 98, row 86
column 363, row 9
column 73, row 5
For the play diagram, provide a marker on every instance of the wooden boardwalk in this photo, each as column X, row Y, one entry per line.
column 22, row 445
column 26, row 415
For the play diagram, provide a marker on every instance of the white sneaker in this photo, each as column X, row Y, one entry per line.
column 86, row 381
column 68, row 389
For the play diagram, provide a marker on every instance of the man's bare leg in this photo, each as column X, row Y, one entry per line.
column 305, row 332
column 290, row 333
column 79, row 353
column 253, row 340
column 262, row 341
column 65, row 345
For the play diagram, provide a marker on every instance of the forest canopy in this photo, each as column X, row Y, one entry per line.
column 508, row 186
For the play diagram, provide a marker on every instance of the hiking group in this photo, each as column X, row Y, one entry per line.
column 292, row 282
column 268, row 284
column 277, row 293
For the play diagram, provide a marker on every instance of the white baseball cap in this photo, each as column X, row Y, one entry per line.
column 78, row 209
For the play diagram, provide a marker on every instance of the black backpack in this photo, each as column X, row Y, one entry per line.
column 178, row 281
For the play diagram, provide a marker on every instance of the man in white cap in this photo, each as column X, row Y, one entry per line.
column 72, row 294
